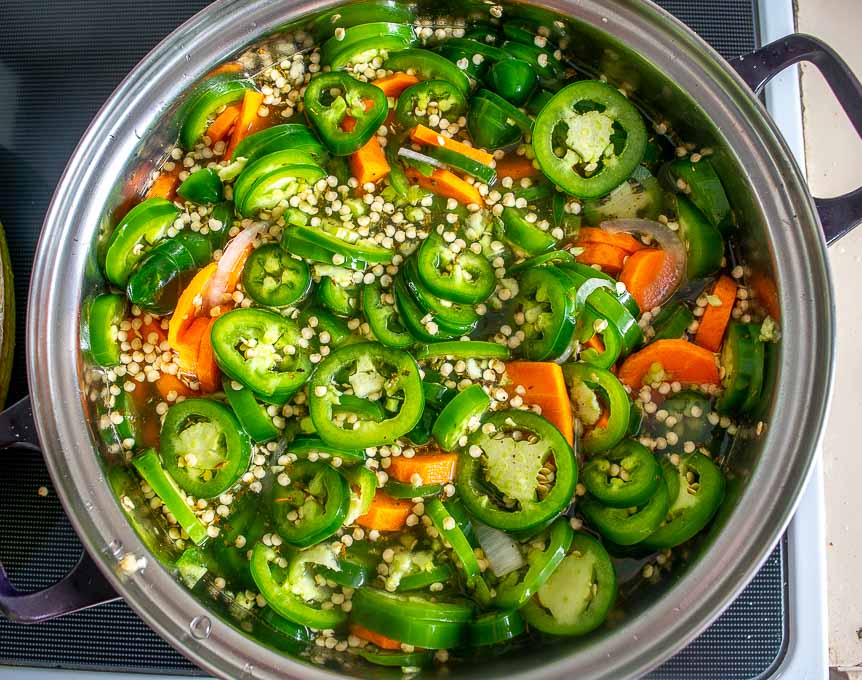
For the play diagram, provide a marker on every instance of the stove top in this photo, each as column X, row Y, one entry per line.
column 775, row 628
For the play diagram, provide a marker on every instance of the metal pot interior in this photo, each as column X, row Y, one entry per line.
column 678, row 82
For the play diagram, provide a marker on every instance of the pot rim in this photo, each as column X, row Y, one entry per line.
column 706, row 587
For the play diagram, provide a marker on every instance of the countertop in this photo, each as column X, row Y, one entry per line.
column 834, row 164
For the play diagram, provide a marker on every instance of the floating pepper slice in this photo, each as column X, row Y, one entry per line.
column 601, row 133
column 502, row 486
column 383, row 318
column 579, row 594
column 631, row 525
column 363, row 102
column 584, row 381
column 448, row 97
column 203, row 447
column 105, row 313
column 638, row 476
column 273, row 278
column 372, row 370
column 252, row 346
column 275, row 586
column 428, row 66
column 462, row 276
column 547, row 303
column 202, row 103
column 313, row 506
column 143, row 226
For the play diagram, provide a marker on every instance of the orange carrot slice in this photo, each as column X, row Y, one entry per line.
column 766, row 293
column 165, row 187
column 369, row 164
column 546, row 387
column 247, row 121
column 608, row 257
column 189, row 344
column 168, row 383
column 189, row 304
column 386, row 513
column 647, row 278
column 432, row 468
column 395, row 84
column 713, row 323
column 222, row 125
column 516, row 167
column 425, row 135
column 681, row 360
column 446, row 184
column 209, row 375
column 624, row 242
column 374, row 637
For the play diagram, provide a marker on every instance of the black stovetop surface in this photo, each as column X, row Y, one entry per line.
column 58, row 63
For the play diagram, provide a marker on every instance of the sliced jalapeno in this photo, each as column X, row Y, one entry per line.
column 428, row 66
column 383, row 318
column 252, row 346
column 202, row 186
column 106, row 313
column 313, row 506
column 372, row 370
column 251, row 414
column 462, row 276
column 278, row 138
column 143, row 226
column 413, row 103
column 583, row 382
column 545, row 300
column 696, row 489
column 525, row 236
column 627, row 526
column 460, row 417
column 504, row 487
column 203, row 447
column 463, row 349
column 625, row 476
column 579, row 594
column 273, row 278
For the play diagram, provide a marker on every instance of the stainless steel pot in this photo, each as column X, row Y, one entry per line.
column 677, row 77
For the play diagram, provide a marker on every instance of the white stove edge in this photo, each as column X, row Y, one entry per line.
column 806, row 657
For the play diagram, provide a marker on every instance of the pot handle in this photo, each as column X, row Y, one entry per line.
column 84, row 586
column 840, row 214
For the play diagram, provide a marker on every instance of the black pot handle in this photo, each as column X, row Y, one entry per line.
column 84, row 586
column 840, row 214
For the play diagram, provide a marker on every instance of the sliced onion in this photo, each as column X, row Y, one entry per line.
column 235, row 251
column 421, row 157
column 673, row 269
column 500, row 549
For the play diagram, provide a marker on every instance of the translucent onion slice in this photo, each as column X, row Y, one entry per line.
column 233, row 254
column 500, row 549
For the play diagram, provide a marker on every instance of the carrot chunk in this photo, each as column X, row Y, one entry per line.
column 165, row 187
column 608, row 257
column 395, row 84
column 713, row 323
column 432, row 468
column 248, row 121
column 386, row 513
column 516, row 167
column 446, row 184
column 222, row 125
column 680, row 360
column 647, row 278
column 190, row 302
column 375, row 638
column 369, row 164
column 545, row 387
column 624, row 242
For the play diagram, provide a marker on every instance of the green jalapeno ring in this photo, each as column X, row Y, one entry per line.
column 311, row 486
column 479, row 482
column 283, row 601
column 210, row 432
column 524, row 236
column 493, row 628
column 513, row 592
column 327, row 116
column 263, row 166
column 612, row 168
column 273, row 278
column 449, row 99
column 513, row 79
column 692, row 503
column 104, row 316
column 453, row 314
column 428, row 66
column 442, row 573
column 642, row 470
column 383, row 319
column 627, row 526
column 585, row 577
column 600, row 438
column 464, row 277
column 143, row 226
column 460, row 417
column 200, row 105
column 278, row 138
column 463, row 349
column 251, row 414
column 405, row 380
column 203, row 186
column 547, row 302
column 270, row 371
